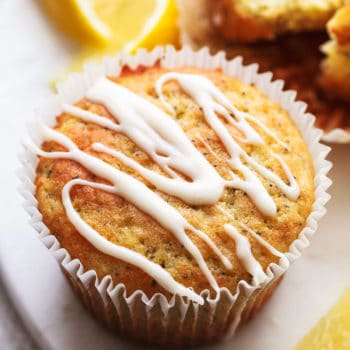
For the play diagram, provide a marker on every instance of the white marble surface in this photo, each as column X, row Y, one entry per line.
column 24, row 73
column 30, row 54
column 13, row 335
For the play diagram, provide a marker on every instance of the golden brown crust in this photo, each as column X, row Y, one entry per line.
column 249, row 21
column 237, row 26
column 124, row 224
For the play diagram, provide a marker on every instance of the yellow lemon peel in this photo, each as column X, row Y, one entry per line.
column 104, row 27
column 332, row 332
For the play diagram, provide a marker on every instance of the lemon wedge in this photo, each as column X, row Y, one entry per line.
column 332, row 332
column 138, row 23
column 104, row 27
column 133, row 24
column 78, row 20
column 120, row 23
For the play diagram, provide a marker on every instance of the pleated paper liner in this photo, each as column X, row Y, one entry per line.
column 156, row 319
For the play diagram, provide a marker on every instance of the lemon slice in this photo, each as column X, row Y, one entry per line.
column 133, row 24
column 332, row 332
column 104, row 27
column 78, row 19
column 118, row 22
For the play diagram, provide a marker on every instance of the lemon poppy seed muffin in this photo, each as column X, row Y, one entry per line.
column 176, row 182
column 249, row 21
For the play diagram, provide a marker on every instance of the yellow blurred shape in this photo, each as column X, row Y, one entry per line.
column 332, row 332
column 105, row 27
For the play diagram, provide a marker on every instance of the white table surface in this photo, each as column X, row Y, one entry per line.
column 13, row 335
column 31, row 53
column 27, row 55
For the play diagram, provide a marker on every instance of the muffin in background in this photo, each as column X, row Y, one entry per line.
column 249, row 21
column 293, row 57
column 335, row 78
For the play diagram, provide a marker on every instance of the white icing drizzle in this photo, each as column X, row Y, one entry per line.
column 225, row 212
column 189, row 176
column 152, row 269
column 245, row 254
column 214, row 102
column 207, row 146
column 243, row 249
column 161, row 138
column 142, row 197
column 261, row 240
column 256, row 121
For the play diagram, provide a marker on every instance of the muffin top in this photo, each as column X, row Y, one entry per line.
column 252, row 20
column 166, row 180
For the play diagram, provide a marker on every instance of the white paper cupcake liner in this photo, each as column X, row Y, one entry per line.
column 156, row 319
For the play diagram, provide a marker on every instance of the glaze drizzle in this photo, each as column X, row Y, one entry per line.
column 189, row 175
column 214, row 102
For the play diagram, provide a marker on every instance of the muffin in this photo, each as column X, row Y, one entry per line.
column 293, row 57
column 249, row 21
column 335, row 78
column 179, row 187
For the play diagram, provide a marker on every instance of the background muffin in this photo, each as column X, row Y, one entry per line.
column 249, row 21
column 335, row 78
column 294, row 56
